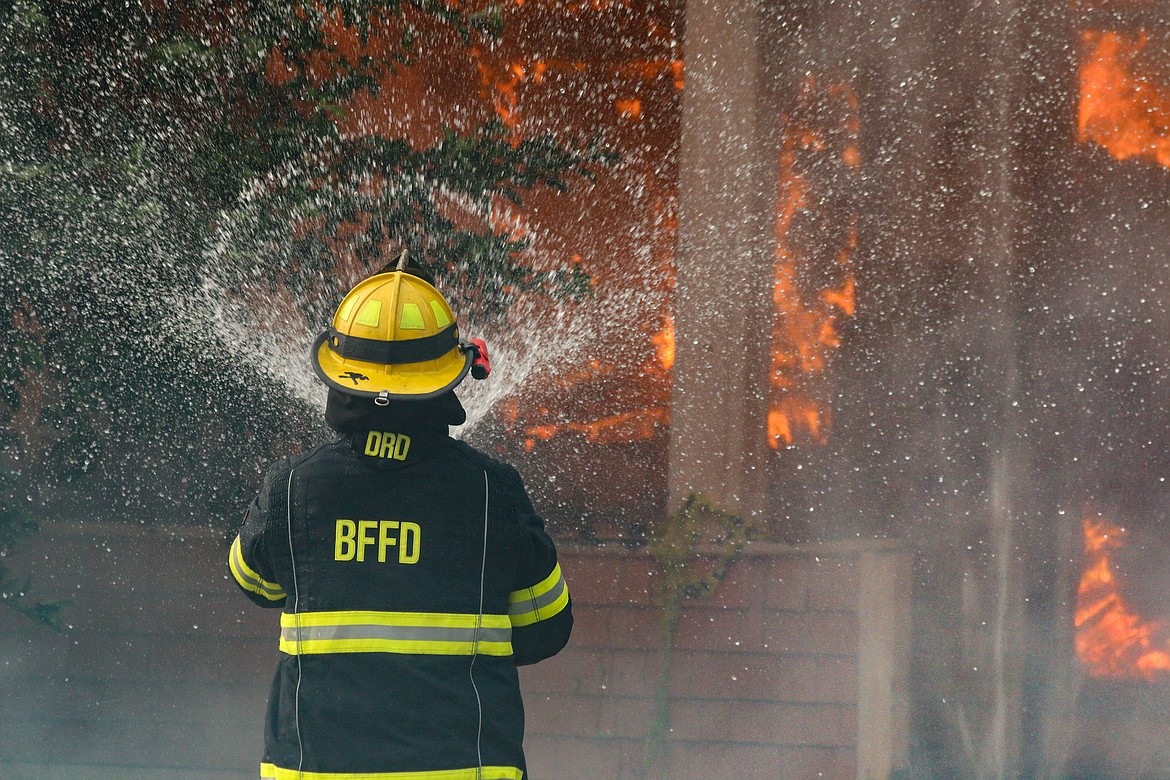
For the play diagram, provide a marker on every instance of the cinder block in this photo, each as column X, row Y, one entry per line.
column 633, row 674
column 629, row 718
column 691, row 760
column 747, row 584
column 707, row 760
column 612, row 580
column 765, row 723
column 809, row 633
column 764, row 677
column 590, row 625
column 703, row 627
column 573, row 670
column 569, row 715
column 635, row 627
column 638, row 581
column 812, row 763
column 833, row 584
column 574, row 758
column 788, row 585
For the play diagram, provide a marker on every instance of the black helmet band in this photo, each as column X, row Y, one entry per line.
column 394, row 352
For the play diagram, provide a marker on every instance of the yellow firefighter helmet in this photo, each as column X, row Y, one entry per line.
column 393, row 337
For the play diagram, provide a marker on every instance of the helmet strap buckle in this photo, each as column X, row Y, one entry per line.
column 383, row 399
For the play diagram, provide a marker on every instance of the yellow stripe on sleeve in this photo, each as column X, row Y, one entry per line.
column 540, row 602
column 248, row 579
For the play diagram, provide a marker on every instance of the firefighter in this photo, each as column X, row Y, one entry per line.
column 413, row 574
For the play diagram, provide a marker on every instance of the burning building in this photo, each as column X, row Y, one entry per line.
column 918, row 292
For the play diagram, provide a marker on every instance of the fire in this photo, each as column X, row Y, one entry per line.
column 806, row 328
column 502, row 86
column 1111, row 640
column 629, row 107
column 664, row 345
column 623, row 397
column 639, row 424
column 807, row 415
column 1123, row 107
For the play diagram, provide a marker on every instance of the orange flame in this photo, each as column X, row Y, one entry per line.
column 517, row 85
column 629, row 107
column 637, row 425
column 1111, row 640
column 1122, row 109
column 503, row 84
column 502, row 87
column 805, row 331
column 664, row 345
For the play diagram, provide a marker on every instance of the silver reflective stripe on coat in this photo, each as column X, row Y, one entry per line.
column 395, row 632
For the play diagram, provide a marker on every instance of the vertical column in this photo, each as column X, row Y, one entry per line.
column 883, row 669
column 718, row 426
column 1050, row 542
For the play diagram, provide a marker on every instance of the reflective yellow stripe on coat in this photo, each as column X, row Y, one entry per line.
column 272, row 772
column 540, row 602
column 249, row 580
column 421, row 633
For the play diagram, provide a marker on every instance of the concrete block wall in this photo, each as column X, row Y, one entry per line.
column 164, row 668
column 773, row 674
column 161, row 671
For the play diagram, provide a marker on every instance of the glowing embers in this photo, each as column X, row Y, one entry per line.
column 645, row 402
column 637, row 425
column 813, row 288
column 628, row 84
column 1111, row 640
column 501, row 84
column 1124, row 104
column 664, row 345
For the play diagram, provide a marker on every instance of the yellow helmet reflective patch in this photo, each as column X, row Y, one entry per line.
column 441, row 318
column 412, row 318
column 370, row 314
column 346, row 310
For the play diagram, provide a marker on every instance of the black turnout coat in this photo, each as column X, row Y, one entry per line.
column 414, row 577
